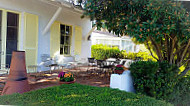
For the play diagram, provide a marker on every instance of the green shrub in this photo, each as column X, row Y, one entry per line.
column 181, row 92
column 142, row 55
column 102, row 52
column 159, row 80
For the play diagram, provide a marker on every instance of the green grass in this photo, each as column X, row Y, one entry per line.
column 76, row 94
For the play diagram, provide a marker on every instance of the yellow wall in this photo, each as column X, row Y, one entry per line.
column 31, row 38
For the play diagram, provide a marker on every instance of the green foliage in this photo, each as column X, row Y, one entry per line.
column 159, row 80
column 142, row 55
column 181, row 93
column 163, row 25
column 140, row 18
column 66, row 77
column 102, row 52
column 80, row 95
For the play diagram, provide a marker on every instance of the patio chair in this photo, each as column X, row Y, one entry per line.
column 91, row 63
column 122, row 61
column 4, row 69
column 100, row 65
column 126, row 62
column 78, row 63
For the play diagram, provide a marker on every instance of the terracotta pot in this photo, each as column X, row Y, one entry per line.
column 118, row 71
column 62, row 82
column 17, row 80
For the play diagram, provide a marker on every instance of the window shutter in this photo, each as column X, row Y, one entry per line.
column 31, row 38
column 78, row 40
column 55, row 39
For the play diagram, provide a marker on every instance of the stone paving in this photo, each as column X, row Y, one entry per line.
column 46, row 79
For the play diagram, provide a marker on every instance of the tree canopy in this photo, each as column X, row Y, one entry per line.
column 162, row 25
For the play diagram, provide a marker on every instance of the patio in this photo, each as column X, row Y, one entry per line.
column 45, row 79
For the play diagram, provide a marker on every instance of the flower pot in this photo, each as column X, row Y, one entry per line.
column 118, row 71
column 62, row 82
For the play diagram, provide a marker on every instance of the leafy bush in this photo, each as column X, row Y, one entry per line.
column 80, row 95
column 142, row 55
column 102, row 52
column 181, row 93
column 159, row 80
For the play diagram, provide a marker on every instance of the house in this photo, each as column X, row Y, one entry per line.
column 106, row 38
column 42, row 28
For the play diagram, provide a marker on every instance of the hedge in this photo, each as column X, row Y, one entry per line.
column 102, row 52
column 161, row 80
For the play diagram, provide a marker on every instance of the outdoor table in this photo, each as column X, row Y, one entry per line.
column 110, row 61
column 54, row 66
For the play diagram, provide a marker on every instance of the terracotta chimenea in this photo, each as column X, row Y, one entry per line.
column 17, row 80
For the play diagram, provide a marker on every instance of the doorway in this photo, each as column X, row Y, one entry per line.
column 9, row 28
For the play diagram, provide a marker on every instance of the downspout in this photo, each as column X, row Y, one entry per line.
column 52, row 20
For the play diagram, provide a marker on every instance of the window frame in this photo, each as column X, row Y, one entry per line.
column 64, row 42
column 4, row 31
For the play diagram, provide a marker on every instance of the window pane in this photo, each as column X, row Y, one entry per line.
column 11, row 46
column 67, row 42
column 12, row 34
column 62, row 29
column 61, row 50
column 0, row 26
column 66, row 50
column 12, row 19
column 67, row 30
column 62, row 39
column 0, row 34
column 0, row 17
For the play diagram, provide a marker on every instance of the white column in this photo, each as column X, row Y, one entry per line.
column 90, row 32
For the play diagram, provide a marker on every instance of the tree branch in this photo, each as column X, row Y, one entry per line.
column 158, row 51
column 172, row 49
column 184, row 52
column 184, row 62
column 179, row 50
column 186, row 70
column 150, row 51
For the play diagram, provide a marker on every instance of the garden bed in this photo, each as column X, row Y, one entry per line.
column 76, row 94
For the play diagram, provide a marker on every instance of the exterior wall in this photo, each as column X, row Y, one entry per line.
column 45, row 12
column 103, row 36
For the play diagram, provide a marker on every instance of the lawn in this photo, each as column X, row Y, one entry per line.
column 76, row 94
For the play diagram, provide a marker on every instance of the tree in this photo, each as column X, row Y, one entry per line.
column 162, row 25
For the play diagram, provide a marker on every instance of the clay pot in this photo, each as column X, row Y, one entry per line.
column 17, row 80
column 118, row 71
column 62, row 82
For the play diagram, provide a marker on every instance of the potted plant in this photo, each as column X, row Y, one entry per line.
column 66, row 78
column 119, row 69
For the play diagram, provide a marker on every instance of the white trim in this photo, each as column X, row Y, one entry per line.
column 52, row 20
column 21, row 37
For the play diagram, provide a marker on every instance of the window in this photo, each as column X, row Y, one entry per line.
column 12, row 35
column 127, row 45
column 65, row 39
column 0, row 34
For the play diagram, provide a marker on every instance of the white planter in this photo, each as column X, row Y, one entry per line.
column 123, row 82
